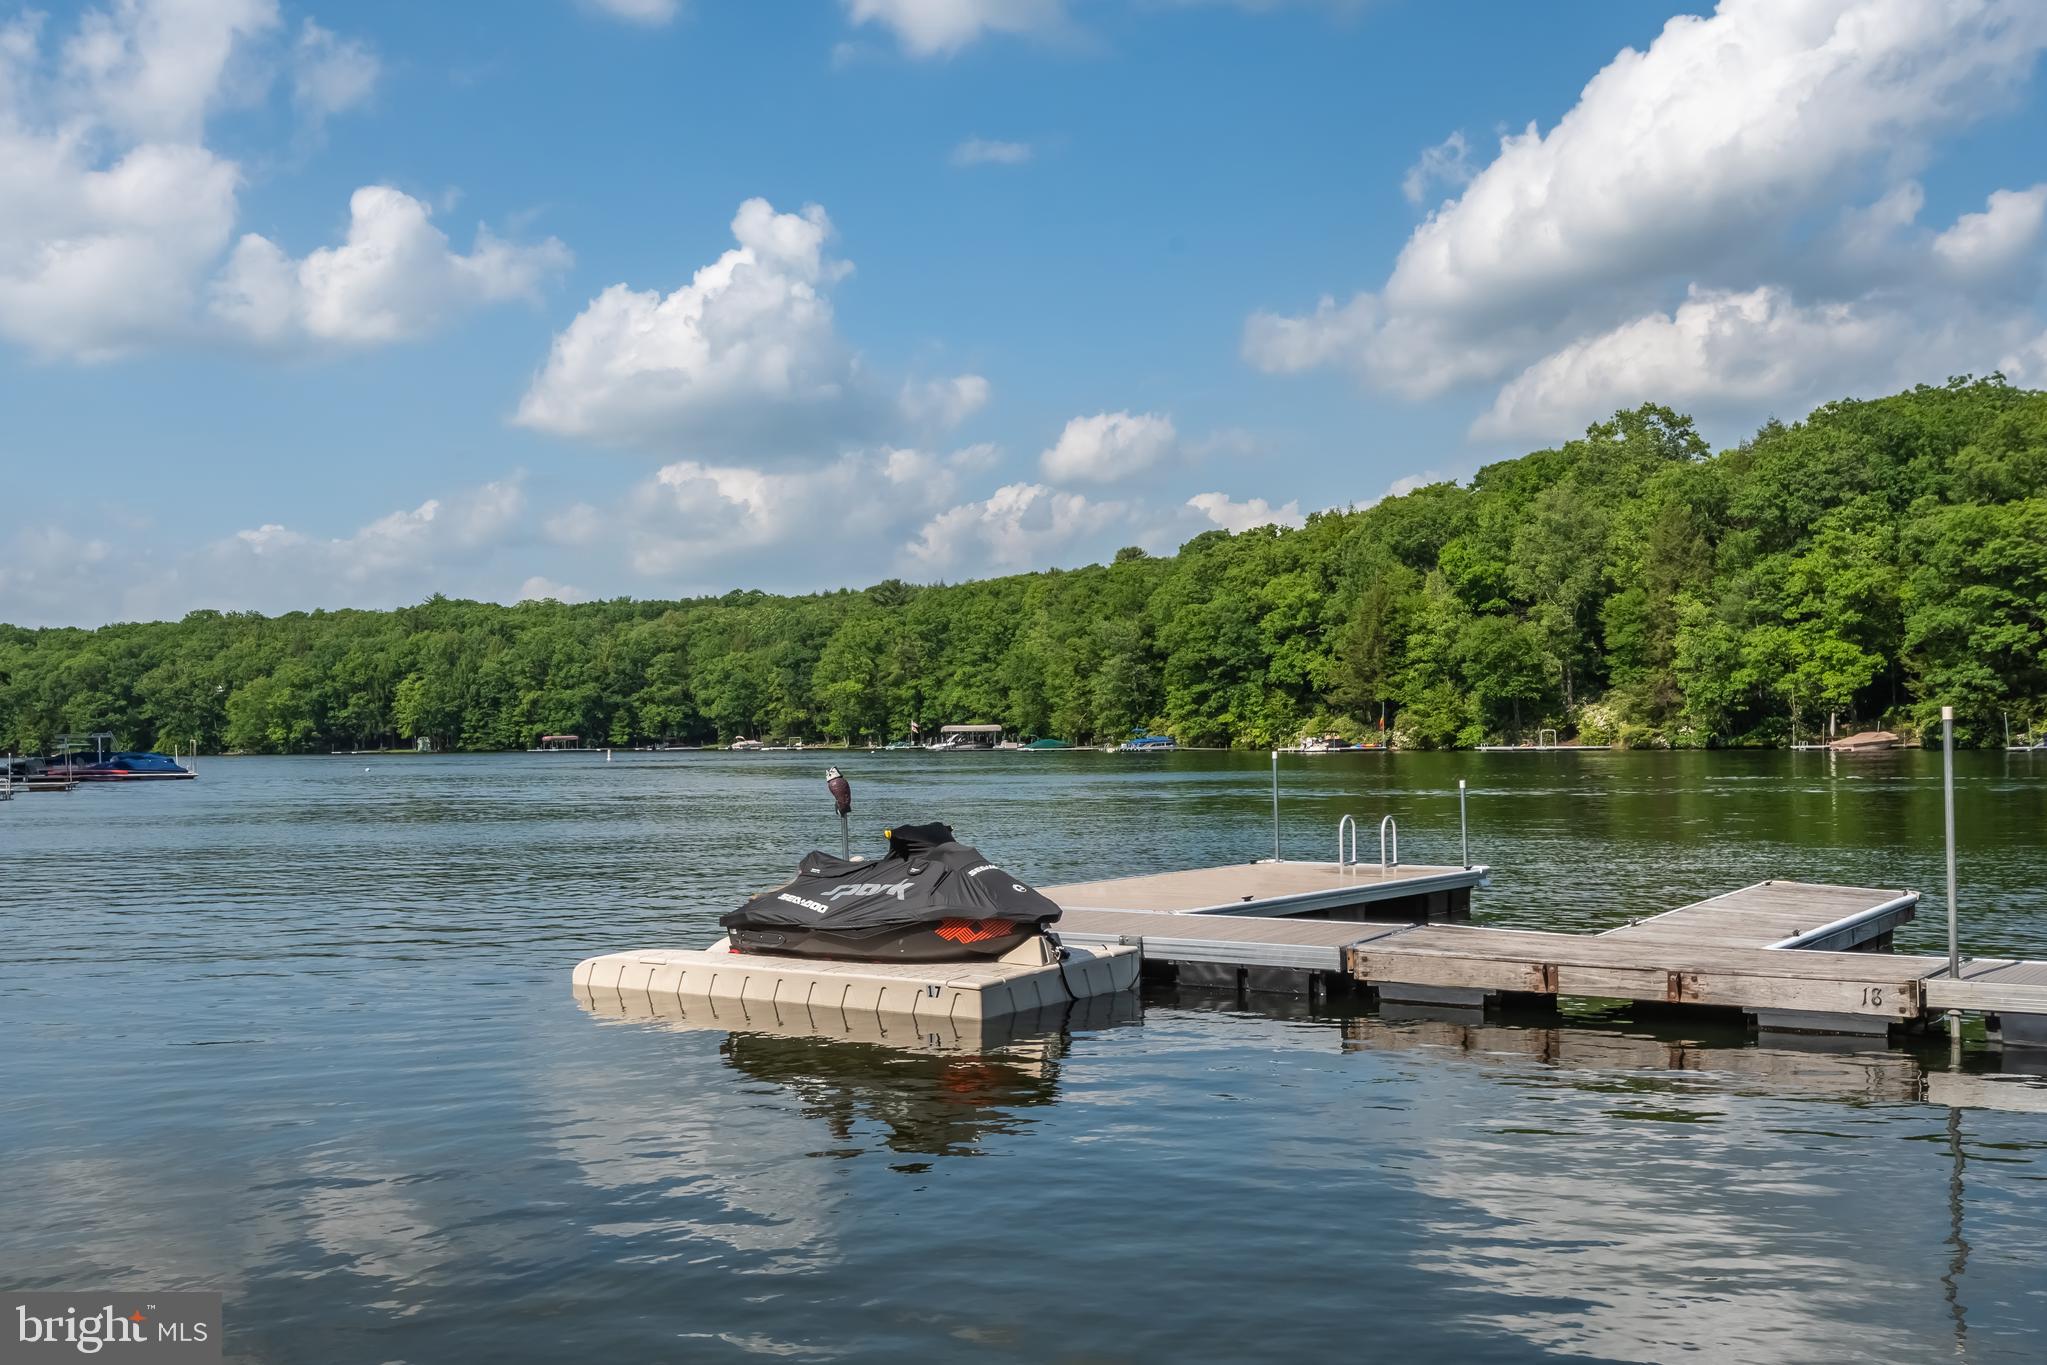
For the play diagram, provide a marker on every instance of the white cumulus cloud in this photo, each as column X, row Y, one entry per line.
column 330, row 74
column 2002, row 241
column 393, row 277
column 747, row 348
column 150, row 71
column 743, row 363
column 981, row 151
column 1109, row 446
column 460, row 543
column 50, row 577
column 711, row 527
column 1446, row 163
column 539, row 588
column 1235, row 516
column 652, row 13
column 1019, row 525
column 1716, row 347
column 940, row 28
column 944, row 403
column 116, row 218
column 402, row 541
column 1686, row 176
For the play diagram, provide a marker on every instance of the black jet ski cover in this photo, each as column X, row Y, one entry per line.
column 932, row 899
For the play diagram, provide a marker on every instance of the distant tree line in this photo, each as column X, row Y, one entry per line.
column 1875, row 561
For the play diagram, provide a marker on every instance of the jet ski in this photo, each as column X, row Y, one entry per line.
column 931, row 899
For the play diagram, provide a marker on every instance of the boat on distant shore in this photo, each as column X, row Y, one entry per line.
column 124, row 765
column 71, row 763
column 1329, row 744
column 1149, row 744
column 1865, row 741
column 1546, row 742
column 956, row 739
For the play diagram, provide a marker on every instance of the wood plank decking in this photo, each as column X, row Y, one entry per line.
column 1777, row 950
column 1990, row 984
column 1307, row 945
column 1779, row 914
column 1451, row 957
column 1278, row 889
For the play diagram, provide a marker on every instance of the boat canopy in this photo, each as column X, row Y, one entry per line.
column 139, row 762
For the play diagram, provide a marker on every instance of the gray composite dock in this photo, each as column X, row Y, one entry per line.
column 1267, row 888
column 1778, row 914
column 1778, row 950
column 1299, row 945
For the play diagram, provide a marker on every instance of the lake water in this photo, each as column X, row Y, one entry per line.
column 302, row 1031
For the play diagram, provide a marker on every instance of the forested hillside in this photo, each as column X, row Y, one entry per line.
column 1878, row 559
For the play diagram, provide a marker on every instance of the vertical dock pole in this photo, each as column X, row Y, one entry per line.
column 1947, row 780
column 1275, row 805
column 1463, row 829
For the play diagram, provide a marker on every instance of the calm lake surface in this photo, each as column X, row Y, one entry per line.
column 302, row 1031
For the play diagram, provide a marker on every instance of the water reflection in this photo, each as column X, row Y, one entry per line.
column 1731, row 1204
column 1685, row 1054
column 298, row 1032
column 936, row 1088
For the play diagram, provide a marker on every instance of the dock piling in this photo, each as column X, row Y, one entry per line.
column 1275, row 805
column 1947, row 780
column 1463, row 829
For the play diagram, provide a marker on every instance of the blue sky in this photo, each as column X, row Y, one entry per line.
column 344, row 305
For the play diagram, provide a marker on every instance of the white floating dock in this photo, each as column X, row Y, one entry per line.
column 927, row 993
column 1025, row 1034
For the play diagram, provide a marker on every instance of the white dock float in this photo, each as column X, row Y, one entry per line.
column 928, row 993
column 1025, row 1033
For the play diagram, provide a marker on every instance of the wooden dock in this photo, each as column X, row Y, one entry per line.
column 1242, row 941
column 1268, row 889
column 1781, row 915
column 1794, row 956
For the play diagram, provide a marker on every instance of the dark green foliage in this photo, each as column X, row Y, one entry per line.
column 1875, row 561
